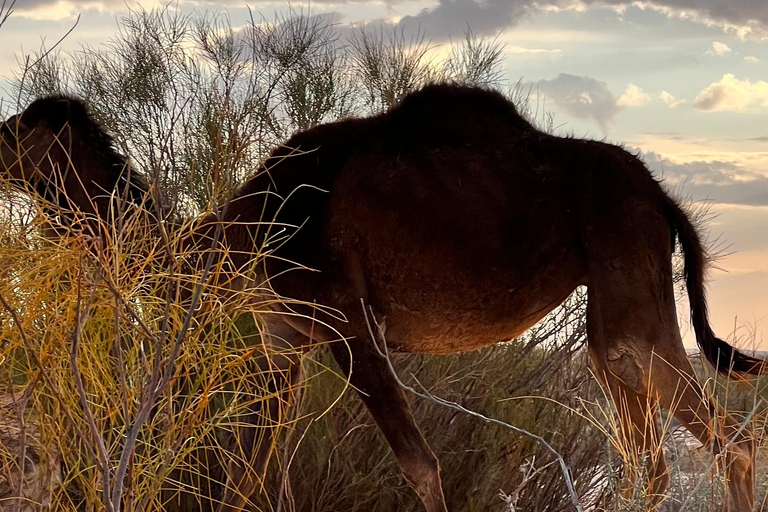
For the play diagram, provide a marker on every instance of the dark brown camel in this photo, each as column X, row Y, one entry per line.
column 461, row 225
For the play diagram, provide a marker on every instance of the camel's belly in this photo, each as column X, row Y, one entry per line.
column 451, row 322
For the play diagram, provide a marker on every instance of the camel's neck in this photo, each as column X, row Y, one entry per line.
column 243, row 232
column 231, row 234
column 89, row 180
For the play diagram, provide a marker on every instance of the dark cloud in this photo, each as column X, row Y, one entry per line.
column 721, row 182
column 488, row 17
column 741, row 13
column 581, row 97
column 78, row 5
column 452, row 17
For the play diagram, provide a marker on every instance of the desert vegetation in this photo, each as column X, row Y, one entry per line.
column 126, row 395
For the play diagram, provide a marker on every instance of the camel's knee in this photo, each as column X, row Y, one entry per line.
column 279, row 369
column 241, row 483
column 422, row 470
column 741, row 458
column 626, row 364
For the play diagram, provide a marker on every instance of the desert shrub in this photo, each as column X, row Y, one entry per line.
column 335, row 459
column 110, row 361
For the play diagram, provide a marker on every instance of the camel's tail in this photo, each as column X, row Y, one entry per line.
column 723, row 356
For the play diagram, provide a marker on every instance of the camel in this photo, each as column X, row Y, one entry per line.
column 459, row 225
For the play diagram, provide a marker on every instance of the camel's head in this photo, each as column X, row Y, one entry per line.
column 55, row 147
column 35, row 144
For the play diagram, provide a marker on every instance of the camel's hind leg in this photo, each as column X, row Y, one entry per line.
column 640, row 438
column 635, row 341
column 681, row 393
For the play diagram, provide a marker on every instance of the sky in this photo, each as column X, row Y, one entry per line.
column 683, row 82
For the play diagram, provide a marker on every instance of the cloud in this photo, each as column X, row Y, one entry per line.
column 451, row 17
column 740, row 16
column 737, row 16
column 722, row 182
column 521, row 50
column 751, row 59
column 634, row 96
column 54, row 10
column 732, row 94
column 581, row 97
column 670, row 100
column 718, row 48
column 486, row 17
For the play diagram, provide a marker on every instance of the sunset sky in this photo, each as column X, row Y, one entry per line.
column 685, row 82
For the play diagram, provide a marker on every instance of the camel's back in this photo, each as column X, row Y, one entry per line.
column 294, row 187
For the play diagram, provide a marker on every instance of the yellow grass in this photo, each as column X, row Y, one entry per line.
column 108, row 312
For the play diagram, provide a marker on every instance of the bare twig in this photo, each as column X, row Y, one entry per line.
column 425, row 394
column 6, row 9
column 47, row 52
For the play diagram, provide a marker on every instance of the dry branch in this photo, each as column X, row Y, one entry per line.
column 378, row 337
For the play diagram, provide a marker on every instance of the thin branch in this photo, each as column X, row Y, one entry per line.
column 97, row 438
column 425, row 394
column 157, row 391
column 6, row 9
column 46, row 53
column 21, row 407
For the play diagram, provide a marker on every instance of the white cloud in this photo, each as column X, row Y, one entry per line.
column 521, row 50
column 732, row 94
column 719, row 181
column 634, row 96
column 670, row 100
column 751, row 59
column 718, row 48
column 581, row 97
column 54, row 10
